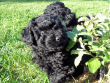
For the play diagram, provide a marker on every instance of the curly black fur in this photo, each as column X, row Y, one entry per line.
column 47, row 38
column 59, row 9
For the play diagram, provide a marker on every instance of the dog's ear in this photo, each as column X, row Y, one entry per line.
column 27, row 36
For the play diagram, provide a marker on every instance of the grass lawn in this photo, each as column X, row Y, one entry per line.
column 15, row 57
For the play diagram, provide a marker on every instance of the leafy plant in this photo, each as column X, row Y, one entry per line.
column 93, row 35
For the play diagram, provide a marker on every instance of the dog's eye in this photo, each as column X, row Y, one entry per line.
column 57, row 38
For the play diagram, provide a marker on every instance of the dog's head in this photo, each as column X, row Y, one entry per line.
column 59, row 9
column 45, row 32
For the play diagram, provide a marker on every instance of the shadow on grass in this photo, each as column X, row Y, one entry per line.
column 27, row 0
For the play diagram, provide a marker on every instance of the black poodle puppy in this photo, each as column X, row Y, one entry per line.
column 47, row 37
column 64, row 13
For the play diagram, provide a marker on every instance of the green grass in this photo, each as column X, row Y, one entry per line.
column 15, row 57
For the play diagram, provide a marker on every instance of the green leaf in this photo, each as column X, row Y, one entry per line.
column 96, row 48
column 75, row 30
column 83, row 19
column 70, row 45
column 90, row 27
column 62, row 22
column 73, row 34
column 106, row 20
column 80, row 27
column 81, row 43
column 100, row 32
column 93, row 64
column 70, row 35
column 100, row 17
column 75, row 51
column 78, row 50
column 107, row 55
column 85, row 33
column 79, row 58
